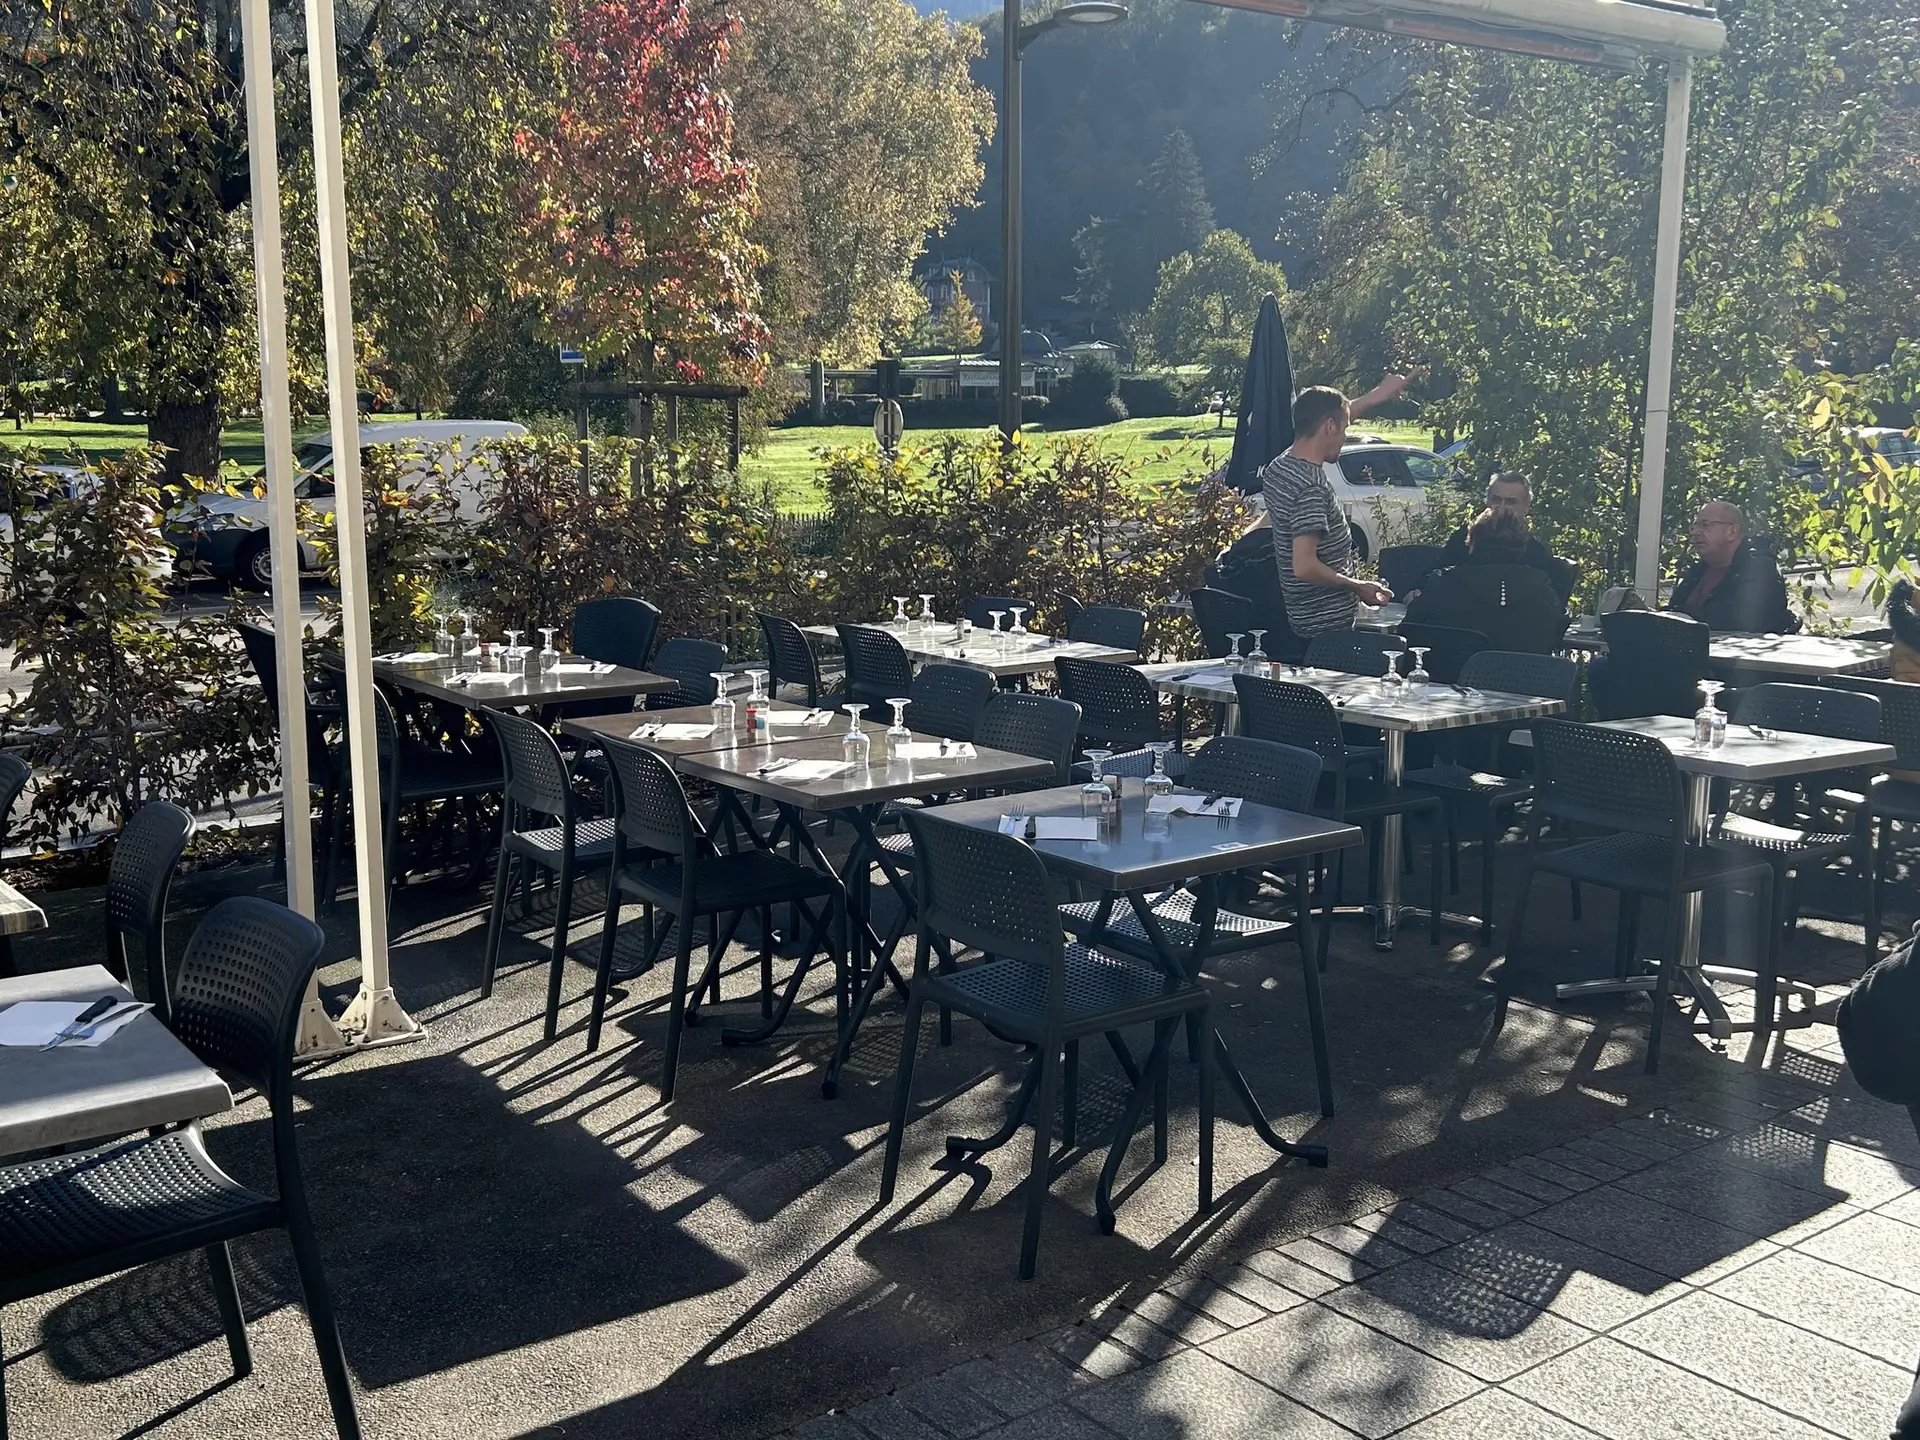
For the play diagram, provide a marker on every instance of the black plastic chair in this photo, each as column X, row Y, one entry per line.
column 1291, row 714
column 790, row 658
column 1629, row 785
column 990, row 892
column 1889, row 799
column 979, row 611
column 1119, row 711
column 539, row 790
column 878, row 669
column 1218, row 614
column 323, row 758
column 663, row 856
column 73, row 1218
column 14, row 774
column 1357, row 652
column 1792, row 849
column 1448, row 648
column 616, row 630
column 1404, row 567
column 1655, row 662
column 1035, row 725
column 139, row 879
column 947, row 700
column 691, row 665
column 1112, row 625
column 1489, row 788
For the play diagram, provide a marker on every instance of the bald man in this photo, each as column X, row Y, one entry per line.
column 1733, row 585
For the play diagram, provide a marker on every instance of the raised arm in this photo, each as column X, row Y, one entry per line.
column 1391, row 388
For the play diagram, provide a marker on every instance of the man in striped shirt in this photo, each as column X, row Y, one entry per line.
column 1312, row 542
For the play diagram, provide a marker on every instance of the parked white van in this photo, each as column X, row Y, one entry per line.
column 228, row 535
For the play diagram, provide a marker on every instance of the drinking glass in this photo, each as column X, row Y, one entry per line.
column 900, row 611
column 1257, row 657
column 999, row 640
column 513, row 658
column 1234, row 660
column 1097, row 800
column 549, row 657
column 897, row 733
column 758, row 679
column 1019, row 629
column 1159, row 782
column 1710, row 721
column 855, row 747
column 1393, row 679
column 1419, row 675
column 442, row 636
column 926, row 613
column 467, row 637
column 723, row 707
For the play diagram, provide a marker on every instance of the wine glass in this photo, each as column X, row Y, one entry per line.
column 1392, row 679
column 1159, row 782
column 549, row 657
column 855, row 747
column 1710, row 721
column 1234, row 659
column 897, row 733
column 999, row 640
column 723, row 707
column 442, row 636
column 466, row 635
column 758, row 679
column 1257, row 657
column 926, row 613
column 900, row 611
column 1097, row 800
column 1419, row 676
column 1019, row 630
column 514, row 658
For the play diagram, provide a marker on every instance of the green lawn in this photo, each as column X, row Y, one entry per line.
column 241, row 443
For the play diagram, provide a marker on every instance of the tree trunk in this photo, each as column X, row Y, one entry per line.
column 191, row 428
column 116, row 411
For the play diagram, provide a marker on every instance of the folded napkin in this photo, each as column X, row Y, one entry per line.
column 934, row 750
column 411, row 657
column 35, row 1022
column 797, row 717
column 583, row 667
column 810, row 770
column 1228, row 805
column 485, row 677
column 682, row 732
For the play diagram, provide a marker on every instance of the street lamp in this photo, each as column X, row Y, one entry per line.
column 1016, row 36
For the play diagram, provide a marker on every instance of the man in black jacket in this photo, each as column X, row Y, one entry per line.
column 1511, row 493
column 1733, row 585
column 1495, row 591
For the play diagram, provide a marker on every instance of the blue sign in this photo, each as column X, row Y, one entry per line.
column 571, row 357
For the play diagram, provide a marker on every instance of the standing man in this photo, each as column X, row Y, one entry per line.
column 1312, row 543
column 1732, row 586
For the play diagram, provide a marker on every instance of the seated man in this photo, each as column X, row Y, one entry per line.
column 1495, row 591
column 1733, row 585
column 1511, row 493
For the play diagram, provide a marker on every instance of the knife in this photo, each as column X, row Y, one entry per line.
column 83, row 1020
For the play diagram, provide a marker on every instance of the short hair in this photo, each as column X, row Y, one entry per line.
column 1735, row 515
column 1499, row 535
column 1508, row 477
column 1314, row 406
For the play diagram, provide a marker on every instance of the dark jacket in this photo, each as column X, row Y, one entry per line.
column 1559, row 573
column 1513, row 605
column 1750, row 597
column 1879, row 1024
column 1247, row 568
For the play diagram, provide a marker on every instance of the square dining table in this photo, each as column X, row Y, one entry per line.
column 138, row 1077
column 824, row 783
column 1397, row 711
column 1008, row 658
column 18, row 915
column 1129, row 862
column 461, row 683
column 690, row 730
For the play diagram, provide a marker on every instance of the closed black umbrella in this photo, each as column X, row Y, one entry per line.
column 1264, row 425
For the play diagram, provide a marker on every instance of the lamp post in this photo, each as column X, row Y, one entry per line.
column 1015, row 37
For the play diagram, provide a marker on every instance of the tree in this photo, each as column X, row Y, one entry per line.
column 864, row 126
column 957, row 327
column 1205, row 303
column 635, row 203
column 1166, row 213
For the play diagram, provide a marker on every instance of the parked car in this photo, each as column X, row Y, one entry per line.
column 75, row 482
column 1380, row 487
column 227, row 535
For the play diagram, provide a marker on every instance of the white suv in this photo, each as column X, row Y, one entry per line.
column 1380, row 487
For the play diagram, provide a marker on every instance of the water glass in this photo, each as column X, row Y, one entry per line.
column 926, row 613
column 999, row 640
column 549, row 657
column 723, row 706
column 855, row 748
column 1235, row 661
column 1419, row 675
column 1257, row 657
column 1710, row 721
column 900, row 611
column 1393, row 679
column 1097, row 799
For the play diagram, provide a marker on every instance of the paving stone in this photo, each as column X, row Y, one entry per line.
column 1211, row 1298
column 1462, row 1208
column 1524, row 1181
column 1366, row 1245
column 1056, row 1422
column 828, row 1427
column 1648, row 1142
column 1625, row 1394
column 1583, row 1163
column 1510, row 1202
column 1905, row 1208
column 1137, row 1333
column 1574, row 1281
column 1195, row 1397
column 1257, row 1289
column 1457, row 1318
column 1389, row 1227
column 1494, row 1415
column 1032, row 1368
column 1873, row 1244
column 1656, row 1236
column 1366, row 1381
column 1685, row 1124
column 1177, row 1319
column 1856, row 1310
column 1285, row 1270
column 961, row 1401
column 1087, row 1349
column 1844, row 1172
column 1623, row 1160
column 1786, row 1367
column 1435, row 1222
column 1704, row 1183
column 887, row 1418
column 1329, row 1261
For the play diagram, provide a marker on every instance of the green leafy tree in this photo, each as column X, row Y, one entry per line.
column 1205, row 304
column 957, row 327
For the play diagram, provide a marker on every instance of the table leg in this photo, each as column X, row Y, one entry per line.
column 866, row 850
column 1386, row 915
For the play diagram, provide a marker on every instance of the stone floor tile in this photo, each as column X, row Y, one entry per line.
column 1844, row 1172
column 1905, row 1208
column 1788, row 1368
column 1367, row 1245
column 1648, row 1233
column 1329, row 1261
column 1087, row 1349
column 1703, row 1183
column 971, row 1398
column 1687, row 1123
column 1524, row 1181
column 1436, row 1223
column 1623, row 1160
column 1625, row 1394
column 1569, row 1178
column 1056, row 1422
column 1509, row 1202
column 1465, row 1209
column 1645, row 1144
column 1033, row 1368
column 1456, row 1318
column 1584, row 1163
column 827, row 1427
column 1252, row 1286
column 1395, row 1231
column 1137, row 1333
column 1211, row 1298
column 1193, row 1396
column 1366, row 1381
column 1574, row 1281
column 1285, row 1270
column 1854, row 1309
column 887, row 1418
column 1494, row 1415
column 1873, row 1244
column 1179, row 1320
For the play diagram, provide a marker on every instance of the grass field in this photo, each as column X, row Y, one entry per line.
column 1163, row 449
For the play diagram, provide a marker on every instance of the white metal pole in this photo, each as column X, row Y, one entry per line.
column 318, row 1033
column 375, row 1014
column 1666, row 299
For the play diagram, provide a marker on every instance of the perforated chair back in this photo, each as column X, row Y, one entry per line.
column 690, row 664
column 536, row 773
column 989, row 891
column 1289, row 714
column 1518, row 672
column 650, row 803
column 237, row 995
column 1358, row 652
column 790, row 657
column 947, row 700
column 1899, row 712
column 1218, row 614
column 1114, row 625
column 616, row 630
column 979, row 611
column 265, row 659
column 1810, row 710
column 1118, row 706
column 139, row 879
column 14, row 774
column 1616, row 780
column 1403, row 567
column 1655, row 662
column 1036, row 725
column 1448, row 648
column 1262, row 771
column 877, row 666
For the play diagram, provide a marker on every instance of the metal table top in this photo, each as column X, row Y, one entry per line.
column 576, row 679
column 884, row 779
column 631, row 725
column 1747, row 757
column 18, row 914
column 1363, row 700
column 1195, row 845
column 139, row 1077
column 1028, row 655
